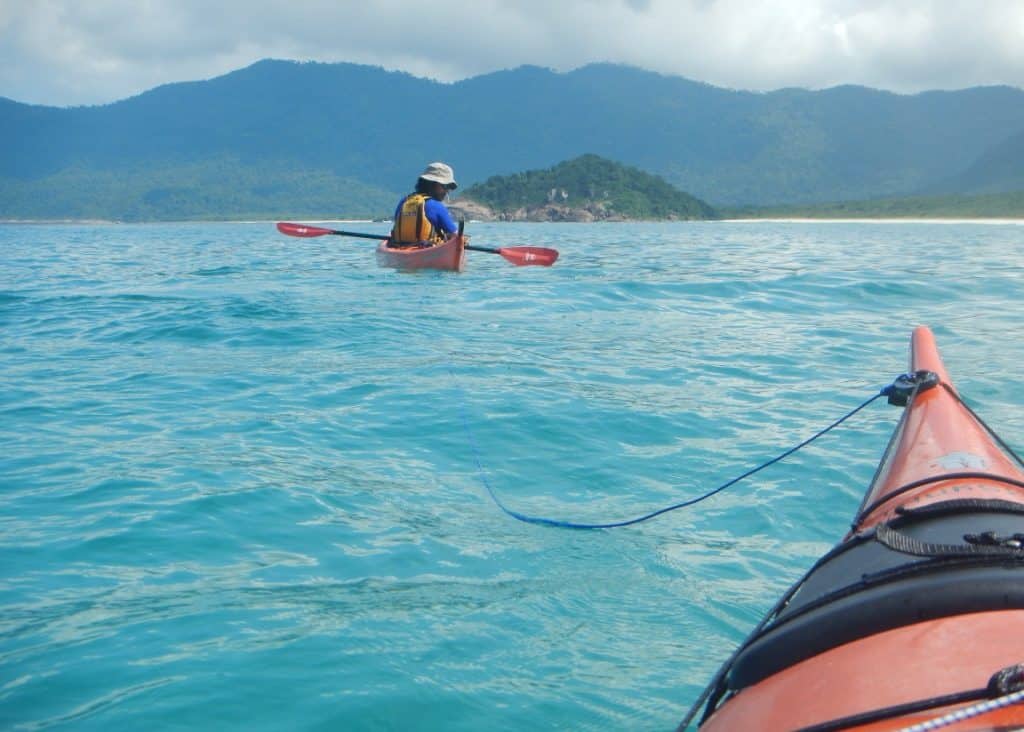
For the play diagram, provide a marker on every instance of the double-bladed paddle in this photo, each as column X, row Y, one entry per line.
column 519, row 256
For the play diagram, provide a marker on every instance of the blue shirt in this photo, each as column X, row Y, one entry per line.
column 437, row 215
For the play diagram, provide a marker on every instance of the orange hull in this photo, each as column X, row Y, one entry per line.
column 913, row 615
column 451, row 256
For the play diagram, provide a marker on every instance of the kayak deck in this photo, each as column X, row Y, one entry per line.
column 939, row 449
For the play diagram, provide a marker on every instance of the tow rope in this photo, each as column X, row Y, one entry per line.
column 897, row 393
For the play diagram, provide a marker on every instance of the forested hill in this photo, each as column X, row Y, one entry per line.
column 314, row 139
column 999, row 170
column 587, row 188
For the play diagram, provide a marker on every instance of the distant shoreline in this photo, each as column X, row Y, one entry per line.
column 106, row 222
column 1008, row 220
column 882, row 220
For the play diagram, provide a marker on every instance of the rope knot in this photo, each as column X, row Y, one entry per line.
column 1007, row 681
column 990, row 538
column 906, row 386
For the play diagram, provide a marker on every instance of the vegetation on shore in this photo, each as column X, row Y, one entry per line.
column 215, row 189
column 587, row 188
column 990, row 206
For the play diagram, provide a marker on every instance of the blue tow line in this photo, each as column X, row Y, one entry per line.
column 887, row 391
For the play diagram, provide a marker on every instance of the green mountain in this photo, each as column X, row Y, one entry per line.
column 333, row 140
column 589, row 187
column 999, row 170
column 213, row 189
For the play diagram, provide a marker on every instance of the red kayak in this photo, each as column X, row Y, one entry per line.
column 915, row 620
column 449, row 255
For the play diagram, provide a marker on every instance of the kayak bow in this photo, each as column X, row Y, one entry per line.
column 919, row 611
column 449, row 255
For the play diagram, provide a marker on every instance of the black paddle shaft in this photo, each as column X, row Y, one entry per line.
column 361, row 236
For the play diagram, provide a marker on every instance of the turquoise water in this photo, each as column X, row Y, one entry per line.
column 243, row 476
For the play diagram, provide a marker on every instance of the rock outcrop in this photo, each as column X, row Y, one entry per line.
column 472, row 210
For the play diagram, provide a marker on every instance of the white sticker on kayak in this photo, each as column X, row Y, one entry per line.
column 961, row 461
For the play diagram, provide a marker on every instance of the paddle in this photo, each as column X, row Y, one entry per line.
column 519, row 256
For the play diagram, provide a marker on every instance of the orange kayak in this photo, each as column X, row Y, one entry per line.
column 915, row 620
column 450, row 255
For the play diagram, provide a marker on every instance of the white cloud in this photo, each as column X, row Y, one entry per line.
column 66, row 52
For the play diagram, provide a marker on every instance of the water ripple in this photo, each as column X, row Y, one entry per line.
column 240, row 478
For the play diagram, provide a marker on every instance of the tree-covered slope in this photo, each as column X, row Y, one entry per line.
column 210, row 189
column 982, row 206
column 300, row 125
column 590, row 183
column 999, row 170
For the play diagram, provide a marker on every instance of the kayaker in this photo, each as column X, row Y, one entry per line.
column 421, row 218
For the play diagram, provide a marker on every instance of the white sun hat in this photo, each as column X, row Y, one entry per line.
column 440, row 173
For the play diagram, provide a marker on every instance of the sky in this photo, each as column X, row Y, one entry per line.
column 84, row 52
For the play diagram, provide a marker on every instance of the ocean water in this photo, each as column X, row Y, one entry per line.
column 245, row 479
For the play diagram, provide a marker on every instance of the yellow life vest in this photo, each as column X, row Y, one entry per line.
column 411, row 223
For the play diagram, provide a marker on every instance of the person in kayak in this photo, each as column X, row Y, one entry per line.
column 421, row 218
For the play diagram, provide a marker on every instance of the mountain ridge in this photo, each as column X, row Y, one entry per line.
column 345, row 123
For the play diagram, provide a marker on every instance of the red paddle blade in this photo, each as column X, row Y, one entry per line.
column 523, row 256
column 301, row 229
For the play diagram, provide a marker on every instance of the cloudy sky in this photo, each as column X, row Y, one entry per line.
column 71, row 52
